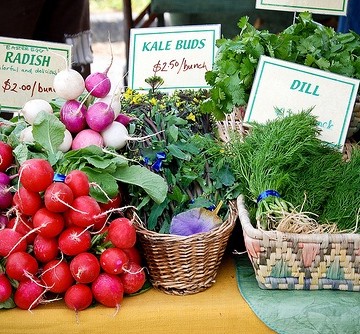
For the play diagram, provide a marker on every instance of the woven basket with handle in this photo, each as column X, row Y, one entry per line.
column 181, row 265
column 291, row 261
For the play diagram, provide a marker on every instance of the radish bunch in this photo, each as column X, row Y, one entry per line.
column 93, row 119
column 60, row 241
column 6, row 161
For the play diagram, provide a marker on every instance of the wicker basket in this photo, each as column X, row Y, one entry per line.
column 180, row 265
column 233, row 122
column 354, row 125
column 292, row 261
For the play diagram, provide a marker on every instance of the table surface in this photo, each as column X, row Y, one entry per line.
column 219, row 309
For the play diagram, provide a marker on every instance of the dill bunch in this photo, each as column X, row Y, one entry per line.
column 317, row 180
column 269, row 159
column 343, row 204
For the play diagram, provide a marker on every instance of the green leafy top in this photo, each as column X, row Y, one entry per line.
column 305, row 42
column 104, row 167
column 182, row 148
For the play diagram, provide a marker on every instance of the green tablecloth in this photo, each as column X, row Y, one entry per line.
column 292, row 312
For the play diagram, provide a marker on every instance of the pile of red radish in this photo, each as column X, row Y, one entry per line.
column 59, row 242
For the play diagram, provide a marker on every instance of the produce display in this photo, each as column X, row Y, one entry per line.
column 66, row 218
column 181, row 149
column 293, row 181
column 78, row 171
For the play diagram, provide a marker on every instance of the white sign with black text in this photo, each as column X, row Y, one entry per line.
column 331, row 7
column 292, row 87
column 180, row 55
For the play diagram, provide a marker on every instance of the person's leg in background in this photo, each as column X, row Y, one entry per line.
column 62, row 21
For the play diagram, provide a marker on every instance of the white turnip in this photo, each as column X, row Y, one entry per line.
column 69, row 84
column 26, row 135
column 67, row 142
column 117, row 136
column 33, row 107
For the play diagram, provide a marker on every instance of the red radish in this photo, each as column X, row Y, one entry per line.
column 69, row 84
column 87, row 137
column 5, row 288
column 58, row 197
column 74, row 240
column 98, row 84
column 113, row 100
column 122, row 233
column 133, row 254
column 99, row 116
column 6, row 156
column 108, row 290
column 78, row 297
column 36, row 174
column 133, row 278
column 28, row 294
column 113, row 260
column 20, row 265
column 72, row 114
column 4, row 221
column 45, row 249
column 4, row 179
column 48, row 224
column 33, row 107
column 6, row 196
column 57, row 276
column 11, row 241
column 85, row 267
column 124, row 119
column 85, row 209
column 23, row 224
column 27, row 202
column 67, row 219
column 113, row 203
column 78, row 181
column 100, row 222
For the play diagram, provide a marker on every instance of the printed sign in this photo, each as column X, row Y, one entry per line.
column 27, row 70
column 292, row 87
column 180, row 55
column 331, row 7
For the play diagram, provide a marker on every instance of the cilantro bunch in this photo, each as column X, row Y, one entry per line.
column 306, row 42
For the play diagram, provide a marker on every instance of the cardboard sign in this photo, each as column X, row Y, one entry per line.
column 180, row 55
column 27, row 70
column 289, row 86
column 331, row 7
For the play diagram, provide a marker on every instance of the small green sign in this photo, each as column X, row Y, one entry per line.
column 27, row 70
